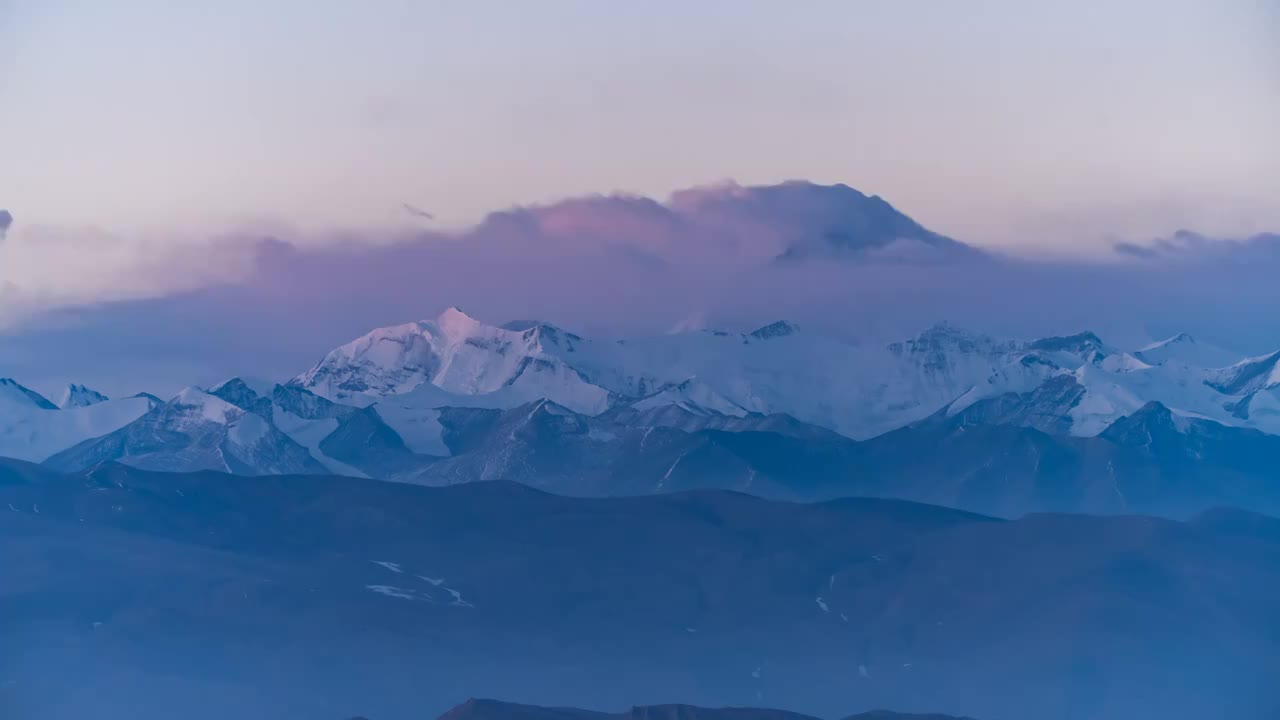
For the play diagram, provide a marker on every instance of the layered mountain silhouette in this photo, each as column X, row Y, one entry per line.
column 998, row 455
column 477, row 709
column 1066, row 423
column 326, row 596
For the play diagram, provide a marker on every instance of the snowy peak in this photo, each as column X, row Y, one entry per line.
column 1046, row 408
column 79, row 396
column 1247, row 376
column 937, row 346
column 247, row 394
column 693, row 397
column 945, row 334
column 1085, row 347
column 241, row 385
column 1184, row 349
column 454, row 323
column 1179, row 339
column 460, row 356
column 1179, row 347
column 14, row 394
column 453, row 360
column 388, row 360
column 201, row 406
column 531, row 335
column 395, row 359
column 32, row 428
column 195, row 430
column 193, row 408
column 544, row 335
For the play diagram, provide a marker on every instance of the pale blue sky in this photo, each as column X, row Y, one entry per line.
column 1017, row 123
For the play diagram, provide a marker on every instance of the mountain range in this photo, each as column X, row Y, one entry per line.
column 33, row 428
column 951, row 417
column 1055, row 527
column 328, row 596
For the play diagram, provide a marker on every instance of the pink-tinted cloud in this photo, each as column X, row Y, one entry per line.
column 613, row 265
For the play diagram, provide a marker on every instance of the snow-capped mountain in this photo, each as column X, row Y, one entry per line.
column 1248, row 376
column 857, row 390
column 255, row 427
column 14, row 395
column 455, row 360
column 458, row 355
column 1014, row 441
column 32, row 428
column 195, row 430
column 1183, row 348
column 1109, row 383
column 74, row 395
column 781, row 411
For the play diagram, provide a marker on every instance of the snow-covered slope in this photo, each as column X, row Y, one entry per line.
column 14, row 395
column 1113, row 384
column 1182, row 348
column 376, row 406
column 74, row 395
column 258, row 428
column 460, row 356
column 32, row 428
column 457, row 361
column 1248, row 376
column 691, row 396
column 195, row 431
column 855, row 389
column 344, row 439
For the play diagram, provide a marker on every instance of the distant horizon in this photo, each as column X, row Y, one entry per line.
column 824, row 256
column 180, row 184
column 52, row 390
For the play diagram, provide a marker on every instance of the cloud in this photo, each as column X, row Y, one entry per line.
column 1186, row 246
column 201, row 310
column 44, row 268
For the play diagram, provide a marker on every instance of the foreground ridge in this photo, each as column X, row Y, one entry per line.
column 484, row 709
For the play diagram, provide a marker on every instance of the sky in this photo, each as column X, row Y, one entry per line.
column 182, row 181
column 1040, row 126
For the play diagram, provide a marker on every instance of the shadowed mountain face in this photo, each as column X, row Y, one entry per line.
column 323, row 596
column 999, row 455
column 196, row 430
column 496, row 710
column 1152, row 461
column 1003, row 427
